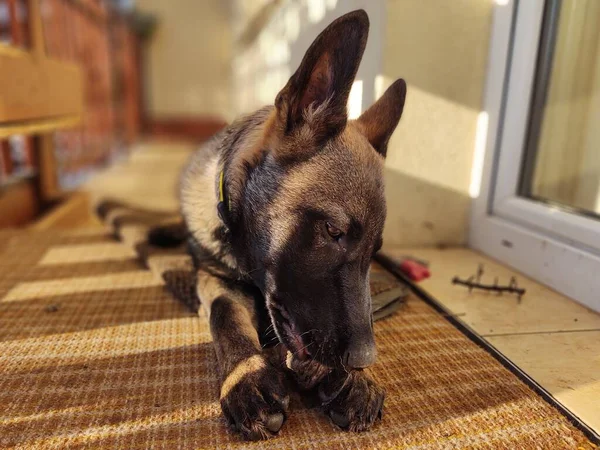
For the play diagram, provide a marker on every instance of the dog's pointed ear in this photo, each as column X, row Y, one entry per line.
column 379, row 121
column 321, row 85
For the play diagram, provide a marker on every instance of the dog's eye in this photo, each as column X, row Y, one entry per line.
column 334, row 232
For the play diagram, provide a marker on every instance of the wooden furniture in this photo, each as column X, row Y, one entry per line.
column 69, row 98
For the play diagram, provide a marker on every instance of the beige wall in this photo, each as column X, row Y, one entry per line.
column 440, row 48
column 263, row 67
column 188, row 61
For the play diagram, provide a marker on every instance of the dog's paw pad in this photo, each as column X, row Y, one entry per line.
column 254, row 399
column 275, row 422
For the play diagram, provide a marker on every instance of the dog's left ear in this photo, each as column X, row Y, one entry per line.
column 322, row 82
column 379, row 121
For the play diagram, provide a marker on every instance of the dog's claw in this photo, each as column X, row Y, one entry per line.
column 254, row 435
column 339, row 419
column 285, row 403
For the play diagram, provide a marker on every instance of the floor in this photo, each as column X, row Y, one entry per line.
column 96, row 353
column 553, row 339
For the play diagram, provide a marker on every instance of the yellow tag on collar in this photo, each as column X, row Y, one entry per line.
column 221, row 191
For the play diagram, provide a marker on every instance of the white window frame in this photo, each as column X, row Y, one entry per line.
column 553, row 246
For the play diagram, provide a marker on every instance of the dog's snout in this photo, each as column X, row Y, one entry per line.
column 361, row 354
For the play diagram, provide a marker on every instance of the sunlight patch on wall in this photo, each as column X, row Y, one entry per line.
column 292, row 23
column 355, row 100
column 381, row 84
column 275, row 51
column 331, row 4
column 478, row 157
column 316, row 10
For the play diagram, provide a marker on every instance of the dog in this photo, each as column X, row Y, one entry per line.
column 283, row 212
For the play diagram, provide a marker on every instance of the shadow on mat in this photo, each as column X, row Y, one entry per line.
column 58, row 314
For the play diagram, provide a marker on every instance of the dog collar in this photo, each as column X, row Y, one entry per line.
column 224, row 204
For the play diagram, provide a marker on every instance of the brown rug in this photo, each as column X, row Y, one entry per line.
column 95, row 353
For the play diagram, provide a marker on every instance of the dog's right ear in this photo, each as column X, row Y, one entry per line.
column 317, row 94
column 379, row 121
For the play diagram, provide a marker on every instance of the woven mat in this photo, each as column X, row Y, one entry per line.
column 95, row 353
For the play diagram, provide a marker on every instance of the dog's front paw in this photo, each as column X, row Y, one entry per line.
column 254, row 398
column 352, row 400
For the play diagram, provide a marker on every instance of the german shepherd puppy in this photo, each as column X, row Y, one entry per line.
column 285, row 209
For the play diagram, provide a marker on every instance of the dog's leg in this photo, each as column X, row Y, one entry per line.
column 253, row 395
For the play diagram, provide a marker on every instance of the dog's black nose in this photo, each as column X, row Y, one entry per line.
column 360, row 355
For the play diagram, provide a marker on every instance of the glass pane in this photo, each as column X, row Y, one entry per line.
column 563, row 152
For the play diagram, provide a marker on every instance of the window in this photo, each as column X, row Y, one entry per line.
column 538, row 208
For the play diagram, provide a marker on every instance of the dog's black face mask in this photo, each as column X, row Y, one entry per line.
column 321, row 304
